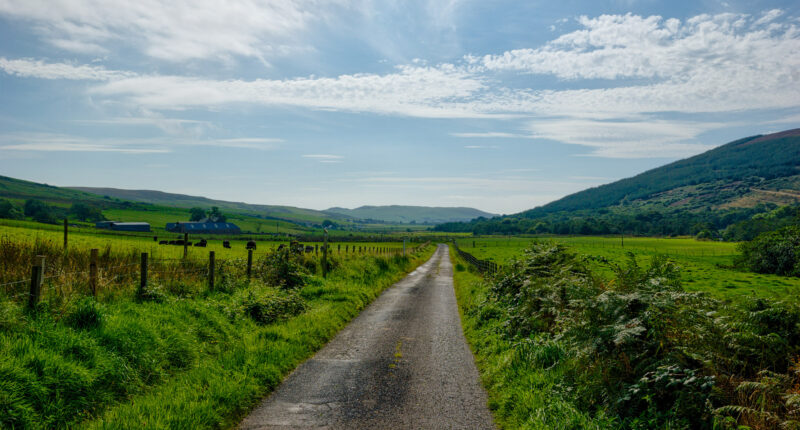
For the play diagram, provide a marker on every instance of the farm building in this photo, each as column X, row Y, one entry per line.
column 123, row 226
column 203, row 227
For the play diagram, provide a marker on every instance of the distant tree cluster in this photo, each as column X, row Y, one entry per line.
column 776, row 252
column 40, row 211
column 9, row 210
column 212, row 215
column 84, row 212
column 711, row 223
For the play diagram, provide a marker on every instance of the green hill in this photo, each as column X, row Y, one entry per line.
column 742, row 173
column 287, row 213
column 411, row 214
column 709, row 191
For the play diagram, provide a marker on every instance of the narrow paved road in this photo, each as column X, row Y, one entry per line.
column 402, row 364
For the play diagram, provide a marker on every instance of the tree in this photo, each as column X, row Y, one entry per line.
column 9, row 210
column 214, row 215
column 197, row 214
column 84, row 212
column 32, row 206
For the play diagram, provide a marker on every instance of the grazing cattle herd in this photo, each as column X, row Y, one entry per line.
column 251, row 244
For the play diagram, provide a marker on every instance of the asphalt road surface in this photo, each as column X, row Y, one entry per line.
column 403, row 363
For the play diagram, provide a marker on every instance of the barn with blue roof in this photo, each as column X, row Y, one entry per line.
column 203, row 227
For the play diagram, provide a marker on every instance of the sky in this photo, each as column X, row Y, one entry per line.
column 498, row 105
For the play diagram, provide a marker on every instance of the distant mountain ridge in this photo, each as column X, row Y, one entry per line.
column 408, row 214
column 390, row 214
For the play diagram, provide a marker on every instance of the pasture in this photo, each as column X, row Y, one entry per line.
column 705, row 265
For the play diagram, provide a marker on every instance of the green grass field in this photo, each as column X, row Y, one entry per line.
column 180, row 357
column 705, row 265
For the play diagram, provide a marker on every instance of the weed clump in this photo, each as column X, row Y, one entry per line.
column 84, row 315
column 283, row 268
column 269, row 308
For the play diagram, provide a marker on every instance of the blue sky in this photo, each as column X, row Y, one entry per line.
column 498, row 105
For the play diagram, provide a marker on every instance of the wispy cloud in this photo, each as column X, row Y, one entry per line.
column 31, row 68
column 489, row 135
column 61, row 143
column 654, row 68
column 68, row 143
column 176, row 30
column 325, row 158
column 481, row 146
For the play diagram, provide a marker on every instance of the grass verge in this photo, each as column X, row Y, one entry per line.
column 522, row 393
column 174, row 360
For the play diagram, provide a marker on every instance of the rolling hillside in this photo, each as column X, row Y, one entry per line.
column 287, row 213
column 409, row 214
column 742, row 173
column 710, row 191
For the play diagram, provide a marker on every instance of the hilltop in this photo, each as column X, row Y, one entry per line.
column 412, row 214
column 709, row 191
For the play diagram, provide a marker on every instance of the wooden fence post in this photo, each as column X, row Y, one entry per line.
column 93, row 271
column 325, row 256
column 185, row 245
column 249, row 263
column 66, row 232
column 143, row 276
column 211, row 271
column 37, row 273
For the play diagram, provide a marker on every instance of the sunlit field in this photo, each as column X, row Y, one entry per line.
column 706, row 265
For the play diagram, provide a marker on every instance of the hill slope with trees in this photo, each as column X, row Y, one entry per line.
column 707, row 192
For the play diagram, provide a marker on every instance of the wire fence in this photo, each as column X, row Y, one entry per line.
column 98, row 278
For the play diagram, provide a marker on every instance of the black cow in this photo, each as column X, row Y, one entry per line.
column 309, row 248
column 163, row 242
column 202, row 243
column 251, row 244
column 171, row 242
column 226, row 244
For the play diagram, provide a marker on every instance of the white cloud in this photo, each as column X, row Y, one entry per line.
column 623, row 139
column 175, row 30
column 489, row 134
column 323, row 156
column 30, row 68
column 411, row 91
column 61, row 143
column 69, row 143
column 654, row 68
column 481, row 146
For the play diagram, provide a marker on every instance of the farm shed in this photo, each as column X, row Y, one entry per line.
column 203, row 227
column 130, row 226
column 104, row 224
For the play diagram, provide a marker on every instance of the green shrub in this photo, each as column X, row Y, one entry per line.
column 775, row 252
column 283, row 268
column 269, row 308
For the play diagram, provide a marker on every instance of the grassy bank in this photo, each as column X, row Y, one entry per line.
column 561, row 345
column 522, row 393
column 179, row 357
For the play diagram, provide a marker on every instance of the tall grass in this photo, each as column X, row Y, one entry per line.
column 182, row 357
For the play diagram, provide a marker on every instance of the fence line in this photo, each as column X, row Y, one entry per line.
column 484, row 266
column 105, row 276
